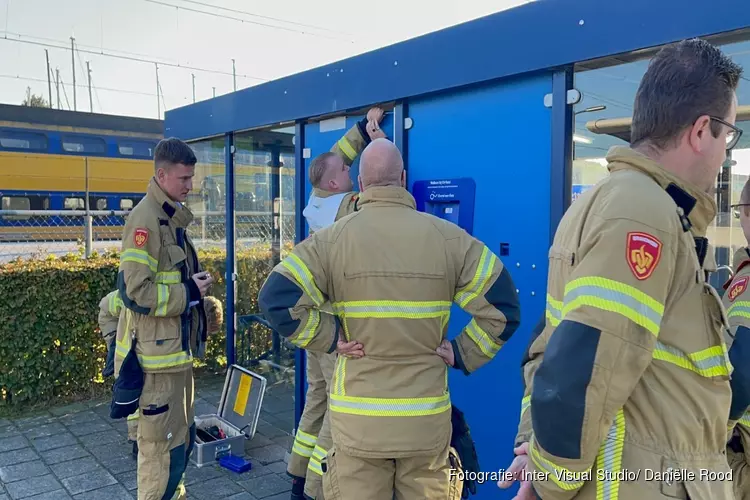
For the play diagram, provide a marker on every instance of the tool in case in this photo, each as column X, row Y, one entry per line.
column 223, row 434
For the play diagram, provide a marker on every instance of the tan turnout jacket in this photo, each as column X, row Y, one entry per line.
column 157, row 263
column 391, row 274
column 627, row 382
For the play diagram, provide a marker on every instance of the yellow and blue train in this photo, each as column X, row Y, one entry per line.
column 50, row 159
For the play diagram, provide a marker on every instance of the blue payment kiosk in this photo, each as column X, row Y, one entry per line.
column 449, row 199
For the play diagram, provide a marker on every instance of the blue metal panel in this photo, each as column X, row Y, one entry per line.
column 539, row 35
column 231, row 264
column 562, row 148
column 465, row 134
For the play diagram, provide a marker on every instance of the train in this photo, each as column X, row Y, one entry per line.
column 50, row 159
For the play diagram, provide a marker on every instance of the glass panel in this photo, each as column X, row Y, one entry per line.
column 138, row 149
column 91, row 145
column 608, row 94
column 74, row 204
column 264, row 203
column 126, row 204
column 23, row 140
column 16, row 203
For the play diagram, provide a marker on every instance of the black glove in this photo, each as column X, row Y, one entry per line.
column 467, row 453
column 109, row 367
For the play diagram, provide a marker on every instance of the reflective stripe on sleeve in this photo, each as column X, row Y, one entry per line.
column 485, row 343
column 739, row 309
column 140, row 257
column 162, row 299
column 616, row 297
column 711, row 362
column 169, row 277
column 610, row 459
column 347, row 148
column 562, row 477
column 481, row 277
column 554, row 310
column 308, row 332
column 304, row 444
column 304, row 277
column 317, row 457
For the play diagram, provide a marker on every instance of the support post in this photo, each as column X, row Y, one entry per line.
column 158, row 102
column 231, row 276
column 89, row 235
column 73, row 67
column 57, row 86
column 193, row 74
column 234, row 76
column 562, row 147
column 49, row 77
column 300, row 361
column 91, row 100
column 400, row 112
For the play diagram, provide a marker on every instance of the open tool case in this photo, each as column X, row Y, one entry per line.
column 239, row 410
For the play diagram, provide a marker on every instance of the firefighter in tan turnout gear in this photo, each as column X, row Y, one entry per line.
column 737, row 303
column 331, row 199
column 390, row 274
column 162, row 324
column 627, row 381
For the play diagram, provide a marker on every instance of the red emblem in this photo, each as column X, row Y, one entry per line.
column 140, row 237
column 643, row 254
column 737, row 288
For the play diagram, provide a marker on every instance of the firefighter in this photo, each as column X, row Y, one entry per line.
column 162, row 324
column 331, row 199
column 629, row 371
column 390, row 274
column 737, row 303
column 109, row 315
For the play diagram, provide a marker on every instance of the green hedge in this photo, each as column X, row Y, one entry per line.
column 50, row 343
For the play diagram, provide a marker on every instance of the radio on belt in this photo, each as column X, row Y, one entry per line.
column 449, row 199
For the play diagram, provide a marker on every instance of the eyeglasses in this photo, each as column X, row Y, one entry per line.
column 734, row 134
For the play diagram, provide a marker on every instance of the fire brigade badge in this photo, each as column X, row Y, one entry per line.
column 140, row 237
column 737, row 288
column 643, row 254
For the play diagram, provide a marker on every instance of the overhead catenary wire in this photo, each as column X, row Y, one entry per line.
column 62, row 84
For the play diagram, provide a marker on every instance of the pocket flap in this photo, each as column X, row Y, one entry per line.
column 177, row 256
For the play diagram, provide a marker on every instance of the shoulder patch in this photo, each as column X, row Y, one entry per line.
column 737, row 288
column 140, row 236
column 643, row 253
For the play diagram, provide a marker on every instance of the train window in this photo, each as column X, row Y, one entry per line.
column 99, row 202
column 126, row 204
column 79, row 144
column 30, row 141
column 140, row 149
column 16, row 203
column 30, row 202
column 74, row 204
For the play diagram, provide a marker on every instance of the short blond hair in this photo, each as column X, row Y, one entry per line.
column 318, row 168
column 214, row 313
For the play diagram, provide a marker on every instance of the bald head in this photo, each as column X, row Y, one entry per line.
column 381, row 165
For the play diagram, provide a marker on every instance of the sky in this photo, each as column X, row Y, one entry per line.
column 194, row 42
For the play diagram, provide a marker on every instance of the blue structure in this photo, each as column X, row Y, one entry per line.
column 492, row 100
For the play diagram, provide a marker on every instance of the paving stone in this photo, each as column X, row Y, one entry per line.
column 121, row 464
column 52, row 429
column 195, row 475
column 215, row 488
column 285, row 442
column 17, row 456
column 129, row 480
column 258, row 441
column 68, row 409
column 52, row 495
column 31, row 422
column 33, row 486
column 277, row 467
column 268, row 430
column 90, row 428
column 9, row 431
column 4, row 422
column 13, row 443
column 240, row 496
column 52, row 442
column 265, row 486
column 13, row 473
column 111, row 452
column 114, row 492
column 63, row 454
column 92, row 480
column 267, row 454
column 3, row 496
column 107, row 437
column 72, row 468
column 282, row 496
column 258, row 470
column 80, row 418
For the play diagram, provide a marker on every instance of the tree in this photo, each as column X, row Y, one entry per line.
column 35, row 101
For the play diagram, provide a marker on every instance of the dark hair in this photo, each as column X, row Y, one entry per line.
column 173, row 151
column 318, row 167
column 684, row 81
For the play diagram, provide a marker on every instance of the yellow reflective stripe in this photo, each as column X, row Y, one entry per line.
column 114, row 304
column 554, row 310
column 485, row 343
column 745, row 419
column 338, row 381
column 162, row 299
column 308, row 332
column 562, row 477
column 347, row 148
column 525, row 403
column 304, row 443
column 134, row 416
column 409, row 309
column 709, row 362
column 169, row 277
column 610, row 459
column 616, row 297
column 140, row 257
column 154, row 362
column 481, row 276
column 315, row 460
column 304, row 277
column 390, row 407
column 739, row 309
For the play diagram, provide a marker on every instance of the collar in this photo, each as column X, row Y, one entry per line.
column 179, row 213
column 322, row 193
column 390, row 195
column 697, row 206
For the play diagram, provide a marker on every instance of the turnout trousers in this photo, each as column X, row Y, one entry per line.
column 306, row 440
column 348, row 477
column 166, row 435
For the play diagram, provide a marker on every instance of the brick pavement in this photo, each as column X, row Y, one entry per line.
column 78, row 452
